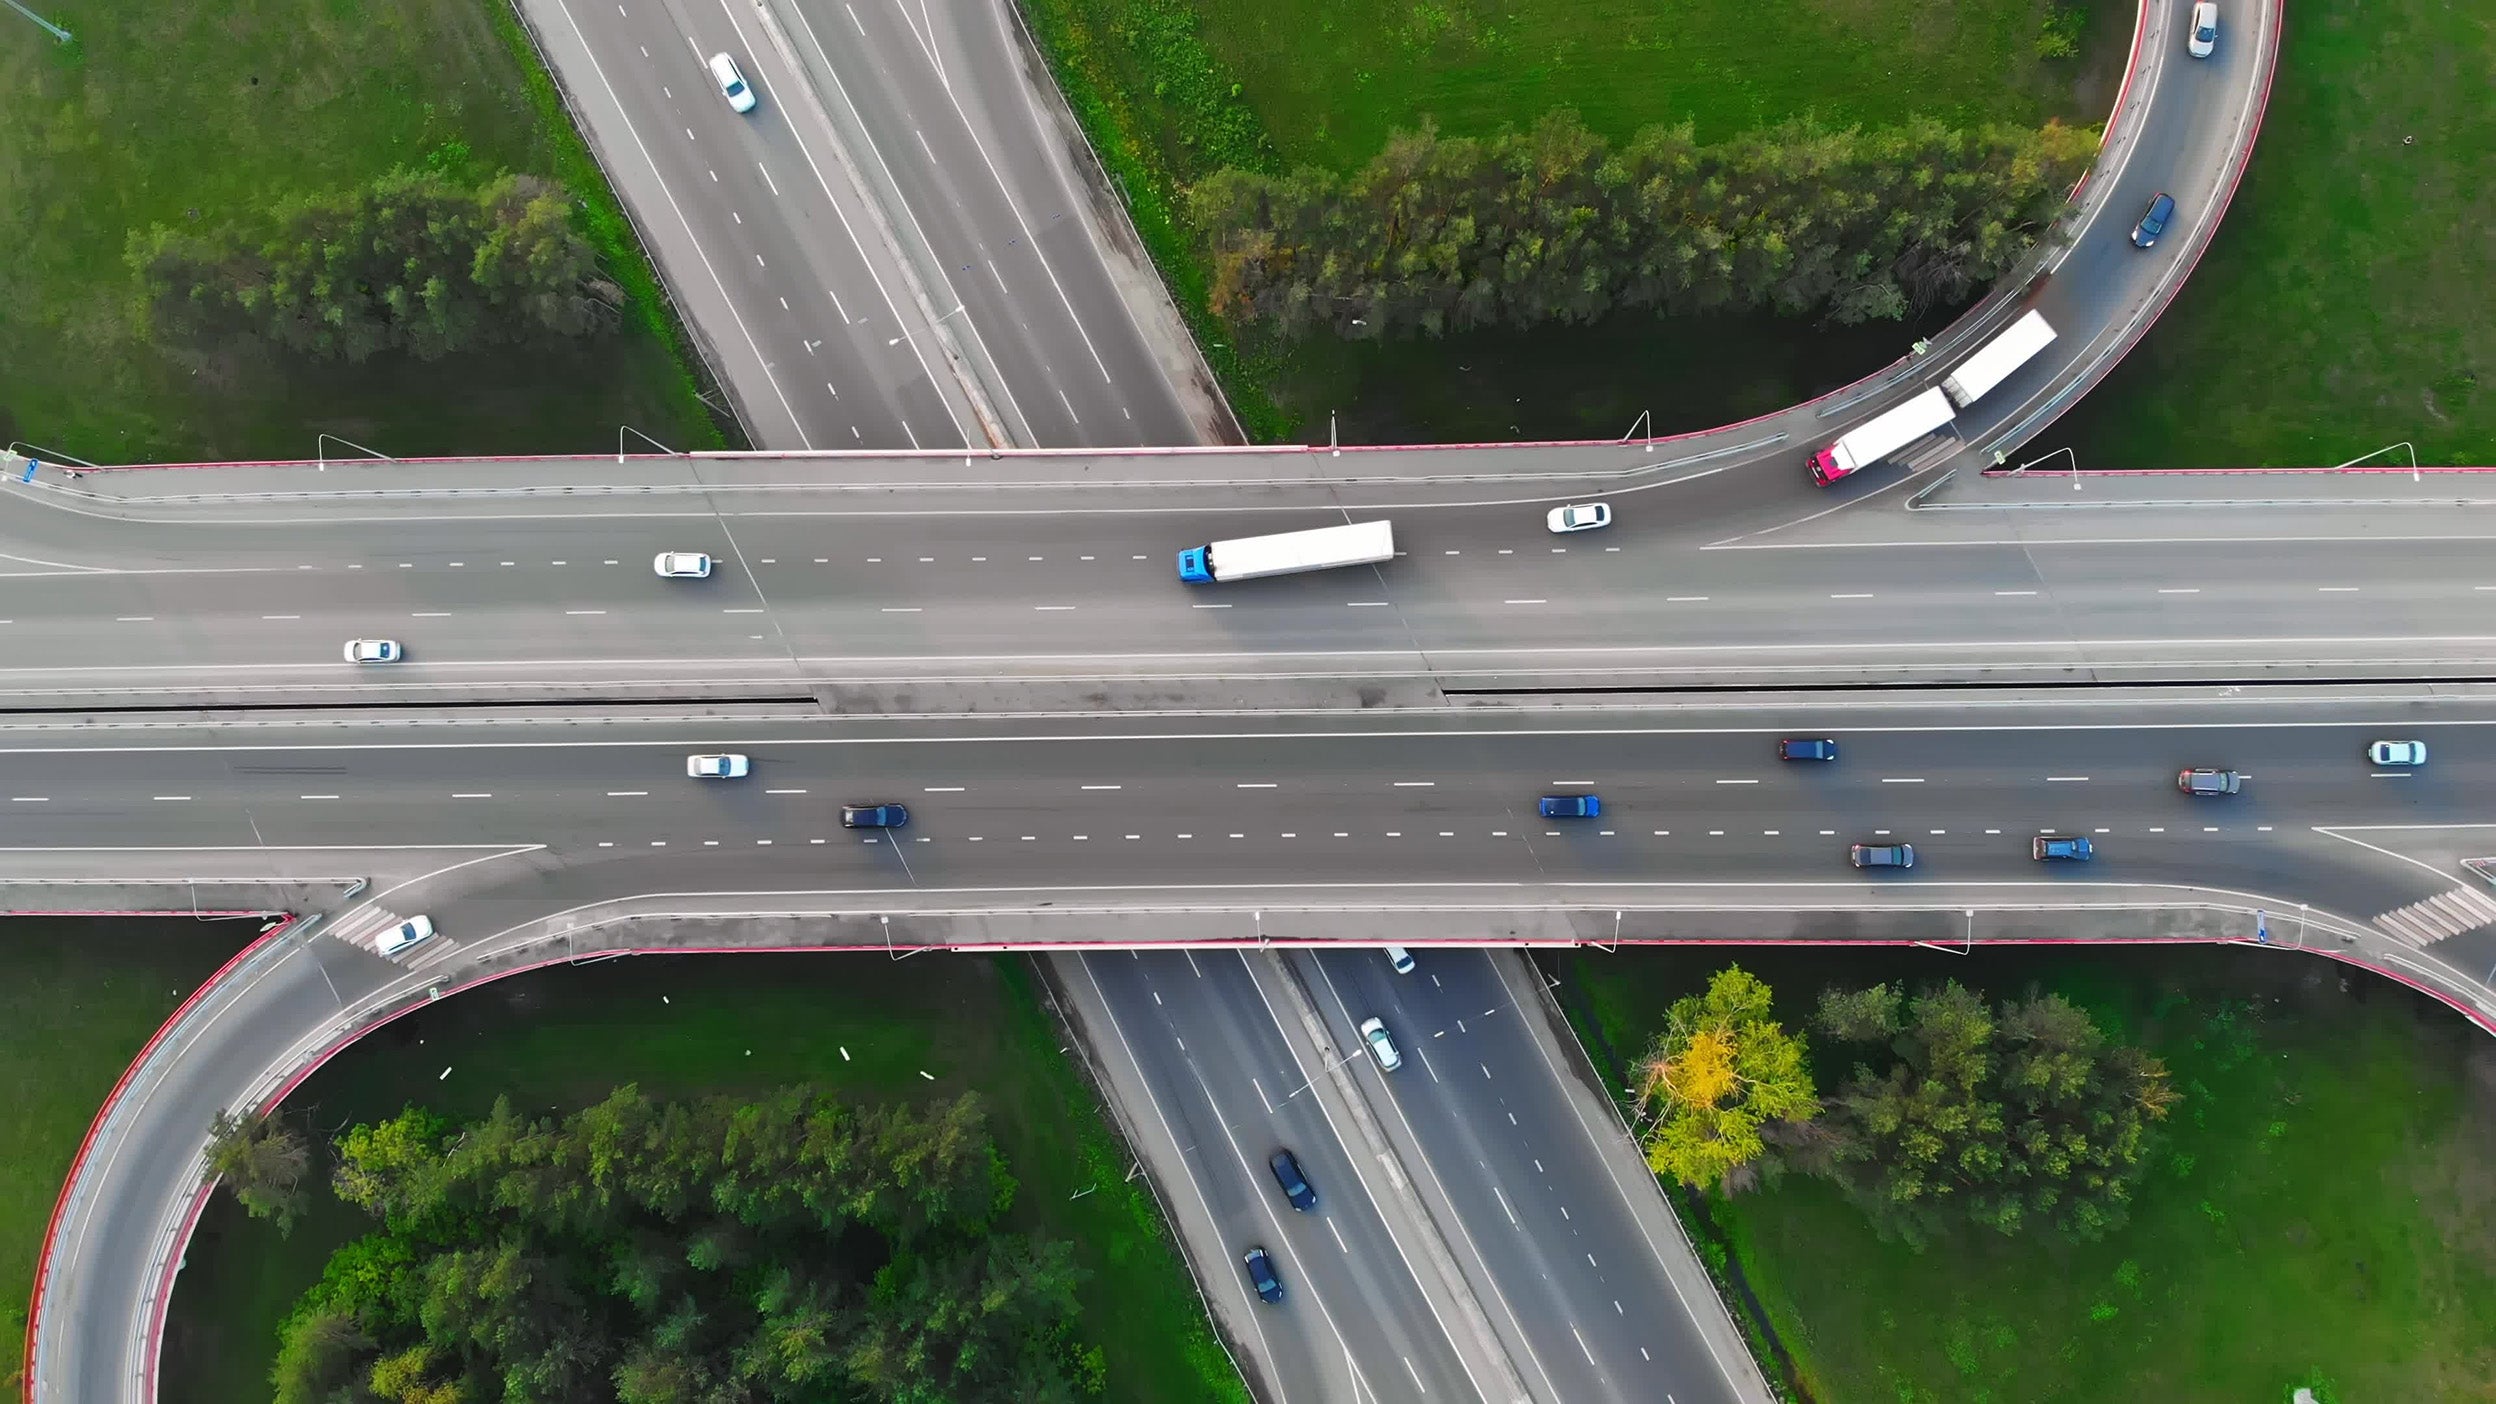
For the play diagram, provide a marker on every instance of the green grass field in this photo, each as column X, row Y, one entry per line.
column 78, row 999
column 2323, row 1203
column 181, row 113
column 860, row 1024
column 1330, row 78
column 2350, row 299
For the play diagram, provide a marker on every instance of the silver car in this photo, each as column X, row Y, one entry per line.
column 2398, row 753
column 1374, row 1033
column 373, row 651
column 682, row 565
column 727, row 767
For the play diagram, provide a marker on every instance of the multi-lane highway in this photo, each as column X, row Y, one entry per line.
column 968, row 298
column 895, row 248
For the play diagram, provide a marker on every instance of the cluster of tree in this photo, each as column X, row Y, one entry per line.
column 1440, row 234
column 417, row 262
column 726, row 1252
column 1954, row 1110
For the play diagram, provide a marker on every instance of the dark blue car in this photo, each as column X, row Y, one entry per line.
column 1571, row 807
column 1799, row 748
column 1260, row 1265
column 1286, row 1168
column 874, row 816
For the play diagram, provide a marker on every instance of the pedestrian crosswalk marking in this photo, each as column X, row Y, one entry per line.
column 2431, row 919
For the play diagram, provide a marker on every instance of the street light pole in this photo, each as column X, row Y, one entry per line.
column 55, row 30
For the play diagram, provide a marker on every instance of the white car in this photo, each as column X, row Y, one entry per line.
column 403, row 935
column 1582, row 516
column 1374, row 1033
column 732, row 82
column 373, row 651
column 2204, row 35
column 1400, row 960
column 682, row 565
column 716, row 767
column 2398, row 753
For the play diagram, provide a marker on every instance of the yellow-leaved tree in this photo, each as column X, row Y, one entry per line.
column 1721, row 1073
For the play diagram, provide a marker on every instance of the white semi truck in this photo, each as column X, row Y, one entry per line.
column 1288, row 552
column 1878, row 438
column 2015, row 347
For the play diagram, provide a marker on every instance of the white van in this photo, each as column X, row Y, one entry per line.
column 403, row 935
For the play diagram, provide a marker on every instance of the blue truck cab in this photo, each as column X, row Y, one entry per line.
column 1192, row 565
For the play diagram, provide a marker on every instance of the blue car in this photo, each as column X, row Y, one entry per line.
column 2077, row 850
column 2153, row 221
column 1571, row 807
column 1799, row 748
column 1260, row 1265
column 1296, row 1188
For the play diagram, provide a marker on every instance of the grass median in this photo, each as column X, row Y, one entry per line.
column 860, row 1024
column 192, row 115
column 2321, row 1207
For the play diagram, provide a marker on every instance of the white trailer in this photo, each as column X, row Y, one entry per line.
column 1285, row 553
column 1878, row 438
column 2015, row 347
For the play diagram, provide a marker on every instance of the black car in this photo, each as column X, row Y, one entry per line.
column 1801, row 748
column 874, row 816
column 2153, row 221
column 1260, row 1265
column 1286, row 1168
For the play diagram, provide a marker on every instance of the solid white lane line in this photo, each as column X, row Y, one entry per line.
column 1523, row 602
column 944, row 789
column 2336, row 589
column 901, row 609
column 312, row 797
column 1737, row 782
column 584, row 611
column 2014, row 592
column 1256, row 784
column 1052, row 609
column 1685, row 599
column 626, row 794
column 30, row 799
column 740, row 611
column 1365, row 604
column 281, row 616
column 472, row 794
column 1415, row 784
column 135, row 619
column 2064, row 779
column 170, row 798
column 1104, row 787
column 2190, row 590
column 1902, row 779
column 1859, row 595
column 431, row 614
column 1213, row 606
column 784, row 792
column 1572, row 782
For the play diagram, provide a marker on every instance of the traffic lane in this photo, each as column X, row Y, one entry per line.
column 1455, row 1168
column 112, row 1246
column 885, row 376
column 1298, row 1335
column 1030, row 151
column 1343, row 1246
column 769, row 235
column 1560, row 1230
column 886, row 86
